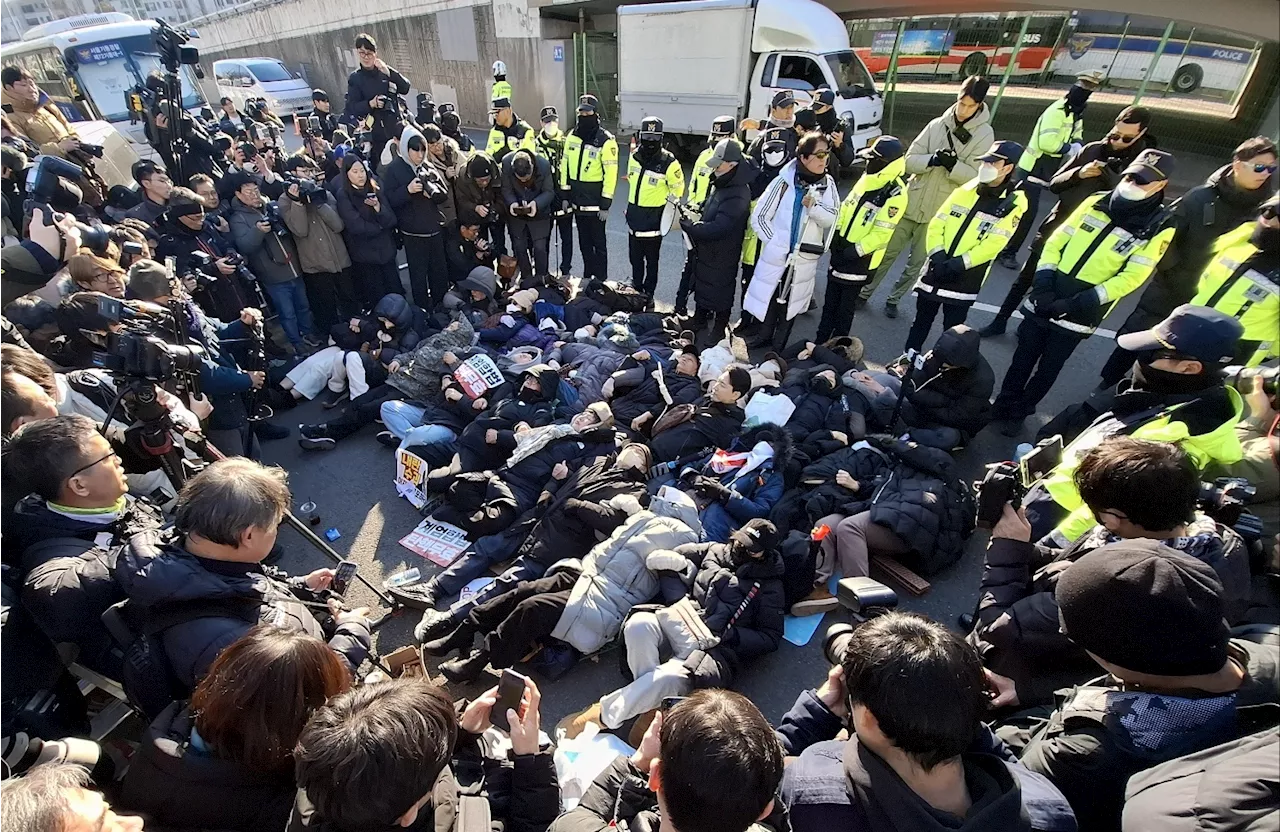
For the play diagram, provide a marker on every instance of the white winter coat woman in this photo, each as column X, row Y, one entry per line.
column 782, row 223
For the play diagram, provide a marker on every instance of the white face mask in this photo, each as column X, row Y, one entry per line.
column 513, row 307
column 774, row 158
column 1131, row 191
column 988, row 173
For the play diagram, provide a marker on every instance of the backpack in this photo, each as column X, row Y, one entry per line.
column 799, row 564
column 148, row 679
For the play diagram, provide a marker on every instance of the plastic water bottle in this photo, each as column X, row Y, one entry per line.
column 408, row 576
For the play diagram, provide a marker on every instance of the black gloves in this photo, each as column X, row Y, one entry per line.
column 605, row 203
column 943, row 159
column 1059, row 308
column 712, row 489
column 936, row 260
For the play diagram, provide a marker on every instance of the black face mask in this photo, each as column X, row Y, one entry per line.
column 1155, row 380
column 587, row 125
column 1266, row 238
column 821, row 384
column 528, row 395
column 1076, row 98
column 876, row 165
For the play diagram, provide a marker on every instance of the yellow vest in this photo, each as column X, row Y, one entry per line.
column 1246, row 294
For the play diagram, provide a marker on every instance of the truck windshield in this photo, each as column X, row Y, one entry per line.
column 851, row 76
column 106, row 70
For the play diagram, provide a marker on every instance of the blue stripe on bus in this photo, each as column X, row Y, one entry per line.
column 1108, row 43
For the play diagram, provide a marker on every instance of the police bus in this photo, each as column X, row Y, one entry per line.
column 88, row 64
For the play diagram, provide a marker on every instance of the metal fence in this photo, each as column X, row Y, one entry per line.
column 595, row 71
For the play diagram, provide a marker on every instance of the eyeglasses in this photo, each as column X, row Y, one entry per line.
column 106, row 277
column 79, row 471
column 1258, row 167
column 820, row 154
column 1119, row 515
column 1113, row 136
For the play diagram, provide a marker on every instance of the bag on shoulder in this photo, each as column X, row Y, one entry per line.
column 684, row 628
column 674, row 415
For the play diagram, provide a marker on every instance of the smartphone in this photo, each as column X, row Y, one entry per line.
column 1038, row 462
column 342, row 576
column 669, row 702
column 510, row 695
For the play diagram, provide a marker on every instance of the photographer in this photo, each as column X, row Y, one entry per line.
column 225, row 525
column 417, row 192
column 75, row 511
column 397, row 755
column 711, row 762
column 57, row 796
column 23, row 401
column 373, row 92
column 199, row 152
column 197, row 246
column 311, row 214
column 829, row 123
column 478, row 194
column 1138, row 491
column 52, row 238
column 528, row 194
column 468, row 249
column 1177, row 395
column 248, row 160
column 91, row 273
column 155, row 186
column 262, row 237
column 320, row 109
column 221, row 378
column 913, row 697
column 451, row 125
column 1095, row 168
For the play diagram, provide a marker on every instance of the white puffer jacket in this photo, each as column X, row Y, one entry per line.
column 614, row 576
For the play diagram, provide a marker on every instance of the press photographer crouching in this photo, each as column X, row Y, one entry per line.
column 311, row 214
column 61, row 534
column 201, row 585
column 1136, row 490
column 913, row 698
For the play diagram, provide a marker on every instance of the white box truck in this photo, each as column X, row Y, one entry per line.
column 688, row 62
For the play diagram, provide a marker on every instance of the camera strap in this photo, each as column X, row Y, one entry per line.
column 746, row 602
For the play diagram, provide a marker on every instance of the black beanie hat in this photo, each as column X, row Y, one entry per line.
column 479, row 167
column 1145, row 607
column 975, row 86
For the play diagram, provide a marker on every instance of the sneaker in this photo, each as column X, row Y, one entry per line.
column 890, row 309
column 312, row 341
column 419, row 596
column 386, row 437
column 1008, row 259
column 268, row 432
column 317, row 440
column 995, row 328
column 575, row 724
column 815, row 603
column 311, row 431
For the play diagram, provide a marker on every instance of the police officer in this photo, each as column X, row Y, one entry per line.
column 654, row 179
column 549, row 144
column 866, row 221
column 1060, row 126
column 371, row 94
column 509, row 132
column 1243, row 281
column 964, row 238
column 589, row 173
column 501, row 89
column 1106, row 249
column 699, row 185
column 1176, row 395
column 320, row 108
column 451, row 125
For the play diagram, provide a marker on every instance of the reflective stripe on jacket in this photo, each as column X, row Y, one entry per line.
column 1240, row 283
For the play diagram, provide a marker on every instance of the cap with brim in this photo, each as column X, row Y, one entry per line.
column 727, row 150
column 722, row 126
column 1003, row 151
column 1194, row 331
column 500, row 103
column 756, row 535
column 548, row 115
column 319, row 95
column 689, row 349
column 1150, row 166
column 1091, row 78
column 783, row 99
column 588, row 104
column 825, row 97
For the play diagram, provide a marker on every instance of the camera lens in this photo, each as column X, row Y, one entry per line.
column 836, row 642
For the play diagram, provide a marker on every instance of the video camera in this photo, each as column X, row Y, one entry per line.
column 1008, row 482
column 52, row 187
column 263, row 132
column 137, row 351
column 174, row 51
column 865, row 599
column 426, row 110
column 1242, row 379
column 308, row 190
column 309, row 126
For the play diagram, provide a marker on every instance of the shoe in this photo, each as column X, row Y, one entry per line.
column 434, row 623
column 312, row 341
column 386, row 437
column 966, row 622
column 465, row 669
column 419, row 596
column 1008, row 259
column 890, row 309
column 815, row 603
column 315, row 438
column 640, row 727
column 860, row 302
column 1011, row 427
column 459, row 639
column 575, row 724
column 554, row 660
column 268, row 432
column 995, row 328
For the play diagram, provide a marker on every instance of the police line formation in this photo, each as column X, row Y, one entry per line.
column 672, row 484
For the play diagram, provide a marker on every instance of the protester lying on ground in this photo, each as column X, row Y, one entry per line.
column 739, row 482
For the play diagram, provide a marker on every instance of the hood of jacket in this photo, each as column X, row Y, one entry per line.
column 890, row 804
column 958, row 347
column 397, row 310
column 403, row 147
column 979, row 119
column 481, row 279
column 783, row 446
column 153, row 570
column 548, row 381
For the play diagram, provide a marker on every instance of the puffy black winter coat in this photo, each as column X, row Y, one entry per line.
column 816, row 408
column 417, row 214
column 179, row 788
column 576, row 515
column 636, row 391
column 720, row 587
column 367, row 232
column 363, row 86
column 159, row 576
column 717, row 240
column 713, row 425
column 909, row 489
column 958, row 395
column 531, row 475
column 479, row 503
column 503, row 415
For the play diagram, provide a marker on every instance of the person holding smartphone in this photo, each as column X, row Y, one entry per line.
column 368, row 220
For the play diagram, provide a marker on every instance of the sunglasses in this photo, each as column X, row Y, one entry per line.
column 1258, row 167
column 80, row 471
column 821, row 154
column 1113, row 136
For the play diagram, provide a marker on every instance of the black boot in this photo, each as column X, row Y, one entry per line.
column 459, row 639
column 465, row 669
column 996, row 327
column 434, row 624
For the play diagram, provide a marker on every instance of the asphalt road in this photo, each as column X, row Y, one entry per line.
column 353, row 489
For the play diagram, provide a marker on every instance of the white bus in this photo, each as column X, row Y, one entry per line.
column 87, row 65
